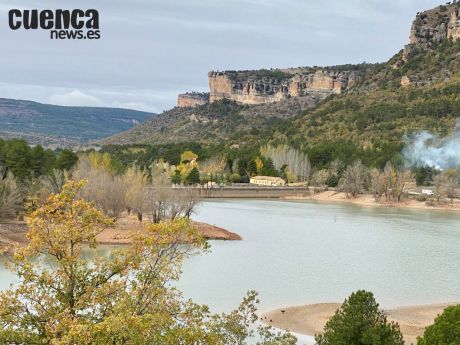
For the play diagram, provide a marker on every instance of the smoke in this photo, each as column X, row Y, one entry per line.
column 427, row 149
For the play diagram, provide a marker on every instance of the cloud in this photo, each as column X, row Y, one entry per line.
column 75, row 98
column 151, row 49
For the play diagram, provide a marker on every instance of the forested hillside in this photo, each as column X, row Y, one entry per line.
column 58, row 125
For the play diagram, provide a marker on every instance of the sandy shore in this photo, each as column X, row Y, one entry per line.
column 311, row 319
column 120, row 233
column 369, row 200
column 15, row 232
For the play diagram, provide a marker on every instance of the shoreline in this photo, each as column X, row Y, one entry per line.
column 119, row 235
column 310, row 319
column 15, row 232
column 367, row 200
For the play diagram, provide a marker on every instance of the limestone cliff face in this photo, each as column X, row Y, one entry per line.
column 434, row 26
column 192, row 99
column 229, row 85
column 256, row 87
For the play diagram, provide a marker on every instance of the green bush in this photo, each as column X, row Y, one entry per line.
column 360, row 322
column 445, row 330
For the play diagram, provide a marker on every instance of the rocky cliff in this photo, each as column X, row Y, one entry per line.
column 192, row 99
column 268, row 86
column 432, row 27
column 253, row 88
column 285, row 105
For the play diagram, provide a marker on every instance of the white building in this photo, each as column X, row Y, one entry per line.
column 269, row 181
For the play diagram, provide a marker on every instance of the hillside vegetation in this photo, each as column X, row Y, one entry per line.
column 376, row 112
column 50, row 124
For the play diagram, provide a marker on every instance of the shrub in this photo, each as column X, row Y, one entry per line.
column 445, row 330
column 358, row 322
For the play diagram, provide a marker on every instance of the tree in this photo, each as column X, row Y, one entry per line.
column 284, row 155
column 193, row 177
column 402, row 177
column 378, row 184
column 438, row 182
column 259, row 165
column 360, row 322
column 319, row 178
column 445, row 330
column 176, row 178
column 423, row 175
column 38, row 161
column 125, row 298
column 10, row 197
column 352, row 181
column 251, row 168
column 107, row 191
column 17, row 158
column 450, row 177
column 135, row 181
column 66, row 160
column 188, row 156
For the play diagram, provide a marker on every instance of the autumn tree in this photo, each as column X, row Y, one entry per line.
column 62, row 297
column 135, row 181
column 377, row 184
column 358, row 322
column 11, row 197
column 105, row 188
column 319, row 178
column 450, row 183
column 259, row 165
column 352, row 181
column 294, row 163
column 438, row 184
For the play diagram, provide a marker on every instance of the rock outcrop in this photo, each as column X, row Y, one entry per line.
column 257, row 88
column 192, row 99
column 268, row 86
column 433, row 26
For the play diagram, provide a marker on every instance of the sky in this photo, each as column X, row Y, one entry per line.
column 152, row 50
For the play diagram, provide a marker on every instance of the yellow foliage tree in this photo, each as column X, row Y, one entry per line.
column 188, row 156
column 259, row 165
column 124, row 298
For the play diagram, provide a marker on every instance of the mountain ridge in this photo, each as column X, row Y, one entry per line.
column 55, row 125
column 419, row 68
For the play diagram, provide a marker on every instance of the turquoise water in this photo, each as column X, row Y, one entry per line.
column 296, row 253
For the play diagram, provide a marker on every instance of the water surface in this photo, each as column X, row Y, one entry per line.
column 297, row 253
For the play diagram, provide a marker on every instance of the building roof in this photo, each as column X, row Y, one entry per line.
column 267, row 178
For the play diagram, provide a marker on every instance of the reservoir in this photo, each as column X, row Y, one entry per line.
column 296, row 253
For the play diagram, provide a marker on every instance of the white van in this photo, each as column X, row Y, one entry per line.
column 427, row 192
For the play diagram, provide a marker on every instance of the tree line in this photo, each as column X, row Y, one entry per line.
column 117, row 186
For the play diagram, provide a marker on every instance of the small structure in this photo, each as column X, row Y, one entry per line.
column 427, row 192
column 211, row 185
column 269, row 181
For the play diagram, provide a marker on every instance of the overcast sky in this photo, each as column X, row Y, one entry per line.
column 151, row 50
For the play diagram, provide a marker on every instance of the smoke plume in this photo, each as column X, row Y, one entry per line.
column 427, row 149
